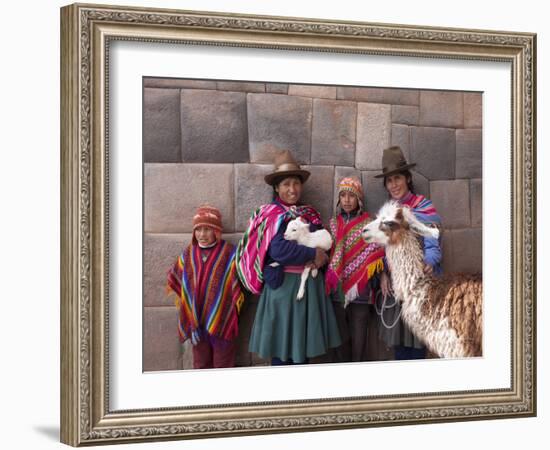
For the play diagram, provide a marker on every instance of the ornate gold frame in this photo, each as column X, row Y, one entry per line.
column 86, row 31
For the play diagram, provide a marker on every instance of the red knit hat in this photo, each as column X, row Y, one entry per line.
column 208, row 216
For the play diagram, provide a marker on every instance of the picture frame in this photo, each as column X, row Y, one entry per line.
column 87, row 32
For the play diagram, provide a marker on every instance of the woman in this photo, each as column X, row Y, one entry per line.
column 398, row 183
column 351, row 273
column 287, row 330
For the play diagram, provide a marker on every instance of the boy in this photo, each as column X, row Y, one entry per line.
column 209, row 296
column 353, row 263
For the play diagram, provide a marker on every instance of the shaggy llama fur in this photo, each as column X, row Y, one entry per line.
column 445, row 313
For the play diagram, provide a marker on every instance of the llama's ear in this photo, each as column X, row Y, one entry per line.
column 399, row 215
column 422, row 229
column 434, row 232
column 412, row 223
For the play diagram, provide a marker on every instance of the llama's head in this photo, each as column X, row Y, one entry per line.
column 296, row 228
column 392, row 222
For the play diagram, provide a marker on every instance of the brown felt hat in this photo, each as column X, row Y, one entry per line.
column 284, row 166
column 393, row 161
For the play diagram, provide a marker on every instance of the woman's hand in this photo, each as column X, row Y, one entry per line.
column 385, row 284
column 321, row 258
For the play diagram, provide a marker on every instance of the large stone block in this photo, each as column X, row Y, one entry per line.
column 251, row 191
column 333, row 133
column 373, row 135
column 241, row 86
column 319, row 190
column 178, row 83
column 214, row 126
column 276, row 88
column 304, row 90
column 441, row 109
column 469, row 153
column 473, row 110
column 232, row 238
column 452, row 201
column 401, row 136
column 246, row 319
column 159, row 253
column 172, row 193
column 434, row 152
column 375, row 191
column 186, row 350
column 446, row 242
column 405, row 115
column 345, row 171
column 161, row 125
column 421, row 184
column 476, row 202
column 277, row 122
column 161, row 347
column 339, row 173
column 467, row 250
column 379, row 95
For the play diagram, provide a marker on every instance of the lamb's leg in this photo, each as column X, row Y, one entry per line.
column 314, row 272
column 303, row 279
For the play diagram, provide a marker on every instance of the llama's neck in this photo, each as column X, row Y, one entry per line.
column 406, row 262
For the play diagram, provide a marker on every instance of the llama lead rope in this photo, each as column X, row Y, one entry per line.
column 384, row 307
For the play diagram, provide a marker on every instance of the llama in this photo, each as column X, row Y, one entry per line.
column 298, row 230
column 446, row 313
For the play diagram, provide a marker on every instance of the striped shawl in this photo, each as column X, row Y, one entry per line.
column 209, row 296
column 262, row 227
column 352, row 261
column 422, row 208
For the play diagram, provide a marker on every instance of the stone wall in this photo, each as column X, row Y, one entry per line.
column 213, row 141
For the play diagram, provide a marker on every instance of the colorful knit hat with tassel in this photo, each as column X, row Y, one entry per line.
column 208, row 216
column 353, row 185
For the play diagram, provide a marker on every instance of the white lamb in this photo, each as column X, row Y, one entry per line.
column 298, row 230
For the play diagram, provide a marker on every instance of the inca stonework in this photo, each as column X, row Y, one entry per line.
column 213, row 141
